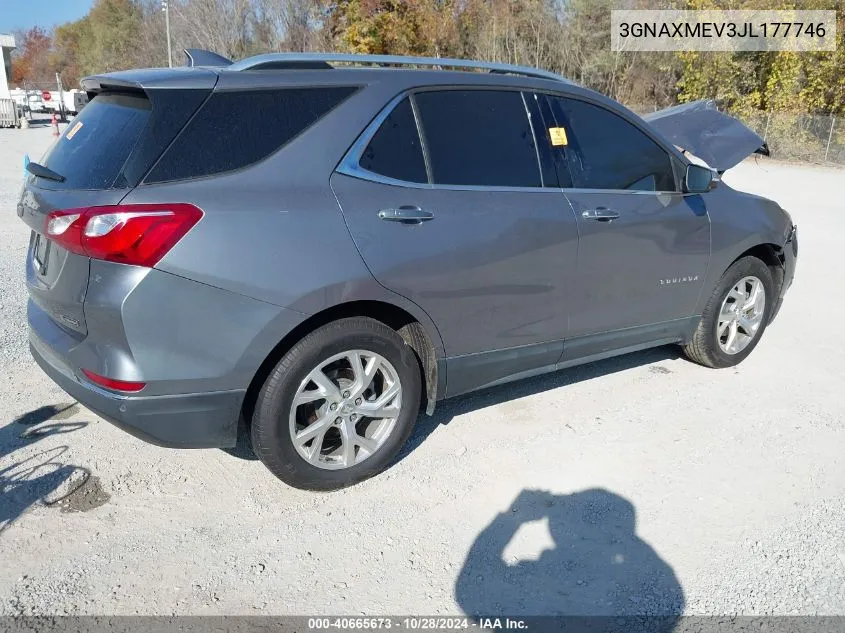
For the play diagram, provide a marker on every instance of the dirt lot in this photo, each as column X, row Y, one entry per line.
column 643, row 484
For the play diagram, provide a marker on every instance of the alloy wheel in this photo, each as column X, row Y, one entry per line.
column 741, row 315
column 345, row 409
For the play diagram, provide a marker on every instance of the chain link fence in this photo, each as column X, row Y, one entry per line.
column 810, row 138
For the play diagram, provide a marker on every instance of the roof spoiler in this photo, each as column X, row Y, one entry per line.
column 101, row 83
column 199, row 57
column 142, row 80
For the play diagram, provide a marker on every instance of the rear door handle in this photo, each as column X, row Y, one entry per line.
column 407, row 214
column 600, row 214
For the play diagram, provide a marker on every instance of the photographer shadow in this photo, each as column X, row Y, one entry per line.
column 597, row 567
column 26, row 480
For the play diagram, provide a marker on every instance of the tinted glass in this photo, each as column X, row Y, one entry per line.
column 555, row 154
column 478, row 137
column 172, row 109
column 395, row 150
column 92, row 150
column 604, row 151
column 236, row 129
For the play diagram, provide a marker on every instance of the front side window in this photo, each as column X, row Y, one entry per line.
column 394, row 150
column 604, row 151
column 478, row 137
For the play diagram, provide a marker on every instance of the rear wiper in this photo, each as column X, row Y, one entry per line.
column 43, row 172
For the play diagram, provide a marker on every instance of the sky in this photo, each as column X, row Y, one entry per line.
column 24, row 14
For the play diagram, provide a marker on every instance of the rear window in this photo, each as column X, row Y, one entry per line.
column 91, row 151
column 236, row 129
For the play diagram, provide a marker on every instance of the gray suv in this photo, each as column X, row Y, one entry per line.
column 324, row 245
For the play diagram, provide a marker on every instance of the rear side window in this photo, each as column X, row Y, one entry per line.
column 92, row 150
column 605, row 151
column 236, row 129
column 478, row 137
column 395, row 150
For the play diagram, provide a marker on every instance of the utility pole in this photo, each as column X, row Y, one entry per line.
column 61, row 98
column 829, row 137
column 165, row 6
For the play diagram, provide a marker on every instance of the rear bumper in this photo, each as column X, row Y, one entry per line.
column 197, row 420
column 196, row 347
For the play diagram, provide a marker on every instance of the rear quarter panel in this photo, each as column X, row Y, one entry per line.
column 177, row 335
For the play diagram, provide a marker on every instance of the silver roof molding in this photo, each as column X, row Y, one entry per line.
column 279, row 61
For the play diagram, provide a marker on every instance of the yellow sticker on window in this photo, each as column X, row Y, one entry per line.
column 558, row 136
column 76, row 127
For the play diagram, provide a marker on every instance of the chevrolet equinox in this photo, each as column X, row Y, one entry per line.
column 324, row 245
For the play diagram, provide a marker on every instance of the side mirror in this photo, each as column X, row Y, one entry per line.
column 700, row 179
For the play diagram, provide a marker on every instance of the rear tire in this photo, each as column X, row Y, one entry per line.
column 733, row 321
column 327, row 440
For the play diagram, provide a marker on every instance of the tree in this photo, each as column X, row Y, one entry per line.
column 70, row 39
column 774, row 81
column 289, row 25
column 31, row 62
column 571, row 37
column 113, row 27
column 223, row 26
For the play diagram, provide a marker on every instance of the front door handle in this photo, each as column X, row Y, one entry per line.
column 600, row 214
column 407, row 214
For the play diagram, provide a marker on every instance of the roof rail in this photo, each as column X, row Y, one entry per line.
column 278, row 61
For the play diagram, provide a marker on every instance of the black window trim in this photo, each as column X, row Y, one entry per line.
column 673, row 152
column 534, row 136
column 420, row 136
column 349, row 164
column 544, row 148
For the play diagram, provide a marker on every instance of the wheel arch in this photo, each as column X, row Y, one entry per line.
column 768, row 252
column 412, row 331
column 700, row 347
column 771, row 255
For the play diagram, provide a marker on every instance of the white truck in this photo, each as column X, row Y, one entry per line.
column 74, row 101
column 28, row 99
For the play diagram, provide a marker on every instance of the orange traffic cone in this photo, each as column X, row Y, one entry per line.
column 55, row 123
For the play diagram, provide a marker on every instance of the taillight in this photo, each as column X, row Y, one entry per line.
column 111, row 383
column 138, row 234
column 58, row 224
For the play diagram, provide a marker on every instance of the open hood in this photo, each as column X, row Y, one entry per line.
column 700, row 129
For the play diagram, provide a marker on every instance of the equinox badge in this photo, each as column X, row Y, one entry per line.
column 678, row 280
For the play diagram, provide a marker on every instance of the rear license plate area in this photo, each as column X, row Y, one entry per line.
column 41, row 253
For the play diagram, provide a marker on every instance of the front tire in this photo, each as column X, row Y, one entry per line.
column 735, row 316
column 339, row 406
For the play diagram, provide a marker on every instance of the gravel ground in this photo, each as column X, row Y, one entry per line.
column 643, row 484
